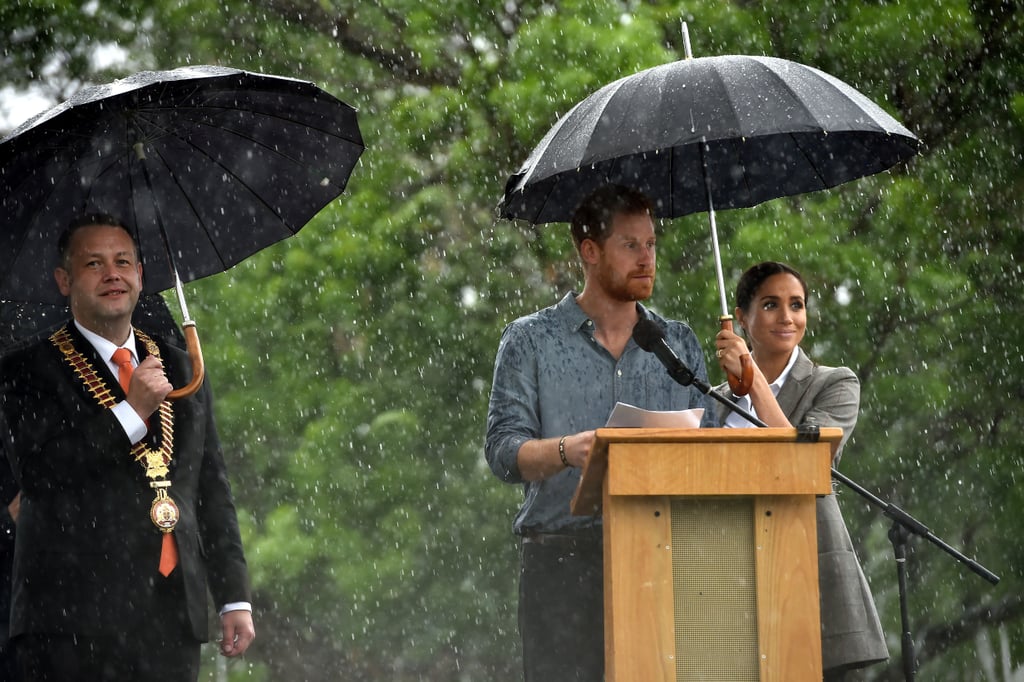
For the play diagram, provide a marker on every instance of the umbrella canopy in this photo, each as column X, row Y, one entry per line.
column 208, row 164
column 705, row 133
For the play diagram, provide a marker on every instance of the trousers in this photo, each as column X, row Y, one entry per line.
column 561, row 608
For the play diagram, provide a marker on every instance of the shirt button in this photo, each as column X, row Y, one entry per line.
column 619, row 372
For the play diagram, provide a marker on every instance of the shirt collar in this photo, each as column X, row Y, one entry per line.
column 104, row 347
column 781, row 380
column 573, row 314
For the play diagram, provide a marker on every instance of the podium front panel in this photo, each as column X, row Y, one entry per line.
column 714, row 577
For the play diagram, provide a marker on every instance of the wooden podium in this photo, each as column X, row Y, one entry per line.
column 710, row 552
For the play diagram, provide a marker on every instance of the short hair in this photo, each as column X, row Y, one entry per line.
column 593, row 218
column 88, row 220
column 754, row 277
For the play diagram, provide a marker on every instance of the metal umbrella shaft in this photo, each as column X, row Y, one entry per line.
column 189, row 330
column 739, row 385
column 717, row 250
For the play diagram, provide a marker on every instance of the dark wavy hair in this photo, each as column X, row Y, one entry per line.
column 754, row 277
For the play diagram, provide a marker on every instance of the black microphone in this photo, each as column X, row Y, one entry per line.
column 651, row 337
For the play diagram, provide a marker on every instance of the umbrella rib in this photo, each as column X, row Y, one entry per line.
column 56, row 184
column 155, row 123
column 203, row 104
column 749, row 186
column 241, row 183
column 205, row 122
column 193, row 208
column 183, row 110
column 227, row 171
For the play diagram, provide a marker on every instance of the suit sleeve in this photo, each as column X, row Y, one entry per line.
column 837, row 404
column 227, row 570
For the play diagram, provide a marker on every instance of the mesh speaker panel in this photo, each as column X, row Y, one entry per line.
column 715, row 589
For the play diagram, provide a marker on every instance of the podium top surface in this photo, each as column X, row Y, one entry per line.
column 830, row 435
column 757, row 451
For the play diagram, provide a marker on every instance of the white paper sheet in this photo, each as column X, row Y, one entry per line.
column 629, row 416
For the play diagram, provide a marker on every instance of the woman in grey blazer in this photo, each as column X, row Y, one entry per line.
column 789, row 390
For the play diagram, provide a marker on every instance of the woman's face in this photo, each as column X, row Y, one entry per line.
column 776, row 319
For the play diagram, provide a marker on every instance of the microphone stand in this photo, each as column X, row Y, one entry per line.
column 903, row 524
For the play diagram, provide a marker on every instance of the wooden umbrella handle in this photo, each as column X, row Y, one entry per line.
column 195, row 353
column 739, row 385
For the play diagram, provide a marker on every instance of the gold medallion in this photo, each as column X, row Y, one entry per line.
column 164, row 512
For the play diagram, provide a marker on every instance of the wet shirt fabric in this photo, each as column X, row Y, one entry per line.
column 553, row 378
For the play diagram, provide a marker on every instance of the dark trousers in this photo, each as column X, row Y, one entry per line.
column 156, row 644
column 561, row 609
column 122, row 658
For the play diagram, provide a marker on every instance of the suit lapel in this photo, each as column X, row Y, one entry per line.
column 88, row 351
column 796, row 383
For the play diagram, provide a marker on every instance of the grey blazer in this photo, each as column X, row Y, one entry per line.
column 851, row 634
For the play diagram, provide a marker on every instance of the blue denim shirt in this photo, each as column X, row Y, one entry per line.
column 552, row 378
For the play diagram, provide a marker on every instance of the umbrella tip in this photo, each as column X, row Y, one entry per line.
column 686, row 41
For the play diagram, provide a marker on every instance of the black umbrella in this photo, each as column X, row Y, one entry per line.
column 208, row 164
column 707, row 133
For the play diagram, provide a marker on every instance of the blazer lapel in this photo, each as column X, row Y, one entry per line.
column 87, row 350
column 796, row 384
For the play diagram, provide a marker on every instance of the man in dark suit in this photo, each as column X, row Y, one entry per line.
column 126, row 516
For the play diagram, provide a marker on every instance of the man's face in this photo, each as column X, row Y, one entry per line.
column 102, row 278
column 625, row 264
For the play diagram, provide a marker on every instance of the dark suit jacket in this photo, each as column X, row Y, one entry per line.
column 87, row 553
column 851, row 634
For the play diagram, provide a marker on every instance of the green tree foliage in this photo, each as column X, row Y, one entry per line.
column 52, row 44
column 352, row 363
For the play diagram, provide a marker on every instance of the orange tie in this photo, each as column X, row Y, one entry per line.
column 168, row 555
column 169, row 550
column 123, row 359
